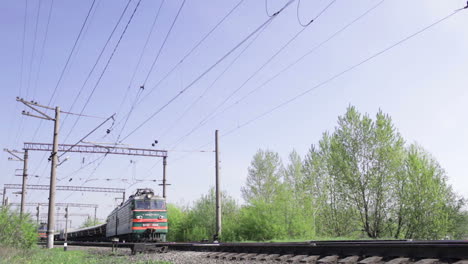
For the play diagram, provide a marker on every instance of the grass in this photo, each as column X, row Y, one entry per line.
column 58, row 256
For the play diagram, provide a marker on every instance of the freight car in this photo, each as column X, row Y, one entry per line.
column 143, row 217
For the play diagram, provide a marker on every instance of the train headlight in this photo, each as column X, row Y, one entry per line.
column 149, row 195
column 160, row 217
column 139, row 217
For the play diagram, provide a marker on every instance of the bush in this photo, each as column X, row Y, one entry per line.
column 16, row 231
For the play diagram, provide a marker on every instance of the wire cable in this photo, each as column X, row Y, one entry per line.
column 163, row 44
column 268, row 61
column 33, row 48
column 105, row 68
column 205, row 72
column 351, row 68
column 97, row 60
column 191, row 51
column 41, row 56
column 153, row 26
column 315, row 48
column 214, row 82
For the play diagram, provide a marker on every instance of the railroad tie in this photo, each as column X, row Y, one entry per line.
column 310, row 259
column 284, row 257
column 219, row 256
column 258, row 257
column 239, row 256
column 328, row 260
column 465, row 261
column 229, row 256
column 248, row 256
column 371, row 260
column 427, row 261
column 399, row 261
column 296, row 258
column 349, row 260
column 269, row 257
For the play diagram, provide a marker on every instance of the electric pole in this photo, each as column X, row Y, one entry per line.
column 164, row 177
column 25, row 173
column 218, row 195
column 66, row 223
column 53, row 157
column 25, row 181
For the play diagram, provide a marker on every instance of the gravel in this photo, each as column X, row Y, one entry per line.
column 176, row 257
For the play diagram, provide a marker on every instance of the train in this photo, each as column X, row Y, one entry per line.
column 42, row 231
column 141, row 218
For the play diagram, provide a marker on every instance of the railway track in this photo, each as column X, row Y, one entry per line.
column 319, row 252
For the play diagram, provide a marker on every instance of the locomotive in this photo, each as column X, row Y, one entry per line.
column 142, row 218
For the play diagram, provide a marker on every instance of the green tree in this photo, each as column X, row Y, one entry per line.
column 16, row 231
column 264, row 177
column 366, row 157
column 90, row 222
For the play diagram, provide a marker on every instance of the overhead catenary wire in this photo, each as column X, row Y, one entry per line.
column 135, row 70
column 33, row 51
column 105, row 67
column 191, row 51
column 169, row 128
column 258, row 70
column 205, row 72
column 62, row 73
column 164, row 43
column 349, row 69
column 41, row 53
column 311, row 51
column 97, row 60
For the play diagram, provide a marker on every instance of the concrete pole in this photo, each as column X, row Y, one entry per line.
column 95, row 214
column 218, row 191
column 38, row 208
column 66, row 223
column 25, row 181
column 51, row 217
column 164, row 176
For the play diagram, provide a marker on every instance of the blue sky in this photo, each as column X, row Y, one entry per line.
column 421, row 84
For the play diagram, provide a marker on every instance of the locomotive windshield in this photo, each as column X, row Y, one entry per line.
column 150, row 204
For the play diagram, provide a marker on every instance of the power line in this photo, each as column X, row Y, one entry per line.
column 152, row 28
column 164, row 43
column 33, row 48
column 106, row 66
column 71, row 52
column 192, row 50
column 22, row 48
column 66, row 63
column 214, row 81
column 205, row 72
column 270, row 59
column 97, row 61
column 375, row 55
column 41, row 56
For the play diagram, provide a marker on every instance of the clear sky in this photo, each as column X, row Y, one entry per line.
column 421, row 84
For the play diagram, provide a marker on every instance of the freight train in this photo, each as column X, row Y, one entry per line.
column 143, row 218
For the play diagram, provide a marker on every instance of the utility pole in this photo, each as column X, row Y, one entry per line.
column 25, row 181
column 66, row 223
column 218, row 195
column 25, row 173
column 164, row 176
column 95, row 214
column 38, row 209
column 50, row 224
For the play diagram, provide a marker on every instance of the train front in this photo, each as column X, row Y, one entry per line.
column 149, row 216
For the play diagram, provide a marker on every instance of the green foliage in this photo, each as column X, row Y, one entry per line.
column 90, row 222
column 198, row 222
column 360, row 181
column 16, row 231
